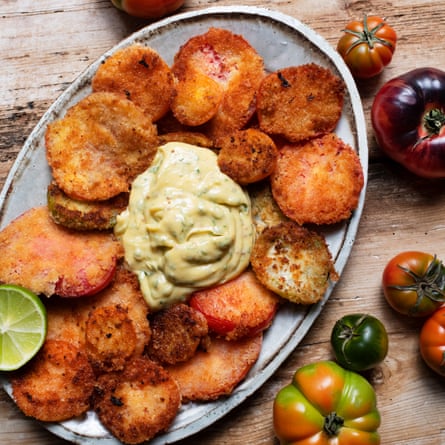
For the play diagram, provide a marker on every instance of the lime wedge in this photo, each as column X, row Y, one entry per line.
column 22, row 326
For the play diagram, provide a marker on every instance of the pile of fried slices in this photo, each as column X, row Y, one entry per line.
column 106, row 350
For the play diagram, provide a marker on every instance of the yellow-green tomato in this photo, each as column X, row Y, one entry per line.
column 148, row 9
column 325, row 405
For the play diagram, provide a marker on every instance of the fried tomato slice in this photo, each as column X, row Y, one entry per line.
column 177, row 331
column 84, row 215
column 100, row 145
column 318, row 182
column 48, row 259
column 217, row 76
column 137, row 403
column 300, row 102
column 217, row 371
column 140, row 74
column 239, row 308
column 293, row 262
column 110, row 338
column 56, row 385
column 247, row 156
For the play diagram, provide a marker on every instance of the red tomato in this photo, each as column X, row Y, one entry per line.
column 414, row 283
column 408, row 118
column 432, row 341
column 367, row 46
column 148, row 9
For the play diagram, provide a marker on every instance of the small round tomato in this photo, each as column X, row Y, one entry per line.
column 148, row 9
column 414, row 283
column 432, row 341
column 359, row 341
column 367, row 46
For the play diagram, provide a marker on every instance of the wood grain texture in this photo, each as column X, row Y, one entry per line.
column 46, row 44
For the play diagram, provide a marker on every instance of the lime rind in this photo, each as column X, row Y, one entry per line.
column 23, row 326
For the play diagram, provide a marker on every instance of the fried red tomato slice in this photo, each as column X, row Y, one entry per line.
column 140, row 74
column 110, row 338
column 293, row 262
column 98, row 148
column 137, row 403
column 177, row 331
column 247, row 156
column 49, row 259
column 69, row 321
column 217, row 76
column 217, row 371
column 318, row 182
column 239, row 308
column 300, row 102
column 56, row 385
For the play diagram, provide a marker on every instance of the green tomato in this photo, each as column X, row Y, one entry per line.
column 359, row 341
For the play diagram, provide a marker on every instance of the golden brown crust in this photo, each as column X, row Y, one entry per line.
column 300, row 102
column 293, row 262
column 318, row 182
column 56, row 385
column 177, row 331
column 99, row 147
column 84, row 215
column 187, row 137
column 140, row 74
column 137, row 403
column 220, row 72
column 49, row 259
column 214, row 373
column 247, row 156
column 110, row 338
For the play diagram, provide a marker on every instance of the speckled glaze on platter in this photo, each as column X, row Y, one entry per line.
column 282, row 41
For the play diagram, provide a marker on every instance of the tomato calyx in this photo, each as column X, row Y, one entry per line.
column 430, row 285
column 367, row 36
column 332, row 424
column 433, row 121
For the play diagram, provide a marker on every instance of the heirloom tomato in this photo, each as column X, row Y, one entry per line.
column 432, row 341
column 414, row 283
column 148, row 9
column 324, row 405
column 367, row 46
column 359, row 341
column 408, row 118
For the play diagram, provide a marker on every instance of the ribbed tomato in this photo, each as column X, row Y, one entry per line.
column 432, row 341
column 148, row 9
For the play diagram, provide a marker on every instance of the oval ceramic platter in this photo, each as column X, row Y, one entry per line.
column 282, row 41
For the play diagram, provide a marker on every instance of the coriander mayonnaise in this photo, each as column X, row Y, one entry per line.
column 187, row 226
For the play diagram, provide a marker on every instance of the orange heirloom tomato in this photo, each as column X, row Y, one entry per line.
column 326, row 405
column 432, row 341
column 148, row 9
column 367, row 46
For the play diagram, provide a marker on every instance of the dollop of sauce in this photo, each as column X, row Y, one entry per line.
column 187, row 225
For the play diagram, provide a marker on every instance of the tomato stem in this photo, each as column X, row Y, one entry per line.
column 434, row 120
column 332, row 424
column 367, row 36
column 429, row 285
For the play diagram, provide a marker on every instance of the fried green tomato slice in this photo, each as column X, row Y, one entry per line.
column 217, row 75
column 56, row 385
column 137, row 403
column 48, row 259
column 300, row 102
column 84, row 215
column 318, row 182
column 247, row 156
column 140, row 74
column 294, row 262
column 100, row 145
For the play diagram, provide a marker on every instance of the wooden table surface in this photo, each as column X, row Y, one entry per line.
column 46, row 44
